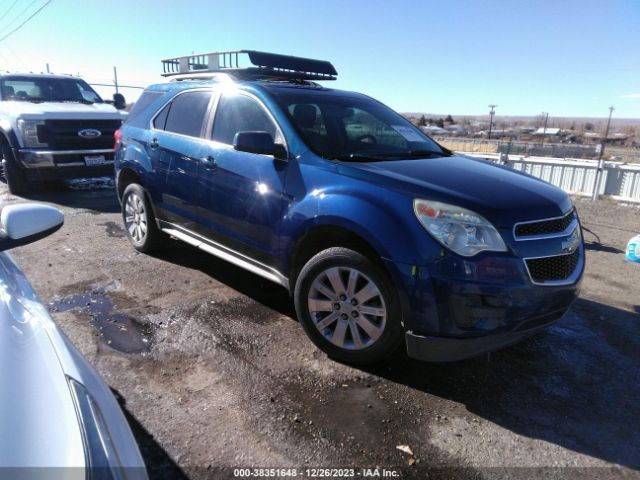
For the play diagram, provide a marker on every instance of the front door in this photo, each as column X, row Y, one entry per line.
column 241, row 194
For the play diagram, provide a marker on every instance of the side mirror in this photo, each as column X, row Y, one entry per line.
column 259, row 142
column 26, row 223
column 119, row 102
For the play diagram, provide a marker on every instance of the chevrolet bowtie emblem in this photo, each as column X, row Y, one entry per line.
column 570, row 244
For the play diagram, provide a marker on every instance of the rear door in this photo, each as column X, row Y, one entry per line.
column 178, row 131
column 241, row 194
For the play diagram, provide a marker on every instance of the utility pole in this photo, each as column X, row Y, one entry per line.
column 115, row 78
column 544, row 129
column 596, row 187
column 491, row 114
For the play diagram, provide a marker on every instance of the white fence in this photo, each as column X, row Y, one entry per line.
column 619, row 181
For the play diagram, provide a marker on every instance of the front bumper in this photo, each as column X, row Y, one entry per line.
column 48, row 165
column 456, row 309
column 444, row 349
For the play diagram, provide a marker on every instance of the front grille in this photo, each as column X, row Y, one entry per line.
column 545, row 227
column 63, row 134
column 549, row 269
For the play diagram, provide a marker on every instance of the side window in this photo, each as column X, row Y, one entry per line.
column 161, row 119
column 187, row 113
column 239, row 113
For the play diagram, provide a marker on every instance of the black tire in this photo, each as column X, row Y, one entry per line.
column 144, row 234
column 13, row 173
column 346, row 261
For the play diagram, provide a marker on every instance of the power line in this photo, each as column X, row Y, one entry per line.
column 11, row 22
column 8, row 10
column 13, row 55
column 119, row 85
column 22, row 24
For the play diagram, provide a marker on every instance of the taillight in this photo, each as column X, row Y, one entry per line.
column 116, row 137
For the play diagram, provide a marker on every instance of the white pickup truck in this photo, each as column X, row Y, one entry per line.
column 54, row 127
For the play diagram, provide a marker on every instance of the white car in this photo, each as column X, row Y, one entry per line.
column 58, row 418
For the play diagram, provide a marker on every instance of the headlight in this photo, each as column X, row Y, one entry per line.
column 29, row 131
column 458, row 229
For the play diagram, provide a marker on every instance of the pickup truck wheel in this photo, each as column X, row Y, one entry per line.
column 139, row 220
column 348, row 307
column 12, row 173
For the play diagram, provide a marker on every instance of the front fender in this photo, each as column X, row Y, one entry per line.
column 6, row 129
column 378, row 221
column 386, row 222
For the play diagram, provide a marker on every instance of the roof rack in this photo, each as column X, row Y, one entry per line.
column 263, row 66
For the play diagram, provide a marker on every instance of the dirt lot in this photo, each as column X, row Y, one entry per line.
column 214, row 372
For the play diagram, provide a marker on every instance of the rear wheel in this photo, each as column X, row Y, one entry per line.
column 12, row 173
column 348, row 307
column 139, row 220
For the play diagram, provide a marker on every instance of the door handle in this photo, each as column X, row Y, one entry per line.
column 209, row 162
column 153, row 144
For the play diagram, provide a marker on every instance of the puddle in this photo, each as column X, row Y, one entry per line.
column 120, row 331
column 91, row 183
column 114, row 230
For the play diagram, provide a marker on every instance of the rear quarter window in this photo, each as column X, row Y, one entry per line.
column 160, row 119
column 145, row 100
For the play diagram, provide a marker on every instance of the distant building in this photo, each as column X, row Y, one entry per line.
column 548, row 132
column 617, row 138
column 434, row 130
column 455, row 129
column 497, row 133
column 479, row 123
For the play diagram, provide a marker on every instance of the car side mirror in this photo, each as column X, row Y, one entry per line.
column 26, row 223
column 259, row 142
column 119, row 102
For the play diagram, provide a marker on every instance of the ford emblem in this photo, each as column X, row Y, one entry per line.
column 89, row 133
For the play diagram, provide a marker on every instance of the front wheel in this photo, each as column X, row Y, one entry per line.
column 348, row 307
column 139, row 220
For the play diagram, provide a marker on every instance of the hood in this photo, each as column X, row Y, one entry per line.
column 502, row 195
column 59, row 110
column 37, row 415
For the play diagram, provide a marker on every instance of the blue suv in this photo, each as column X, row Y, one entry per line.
column 381, row 235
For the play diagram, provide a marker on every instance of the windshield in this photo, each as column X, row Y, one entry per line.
column 47, row 89
column 355, row 128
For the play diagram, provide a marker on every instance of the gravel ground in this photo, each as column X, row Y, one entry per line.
column 214, row 372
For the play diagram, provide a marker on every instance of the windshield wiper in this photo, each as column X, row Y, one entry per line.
column 419, row 154
column 359, row 157
column 382, row 156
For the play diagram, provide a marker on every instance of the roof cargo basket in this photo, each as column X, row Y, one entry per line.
column 261, row 65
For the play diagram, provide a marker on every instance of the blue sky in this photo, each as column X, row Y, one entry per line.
column 569, row 58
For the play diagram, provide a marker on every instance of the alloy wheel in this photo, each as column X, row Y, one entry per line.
column 347, row 308
column 136, row 218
